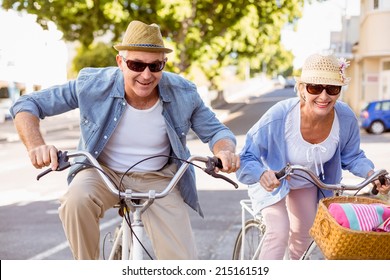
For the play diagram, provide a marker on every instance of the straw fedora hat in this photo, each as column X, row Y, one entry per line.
column 325, row 70
column 142, row 37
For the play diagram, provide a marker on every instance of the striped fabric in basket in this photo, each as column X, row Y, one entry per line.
column 363, row 217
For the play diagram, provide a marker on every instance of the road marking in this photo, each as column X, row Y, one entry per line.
column 64, row 245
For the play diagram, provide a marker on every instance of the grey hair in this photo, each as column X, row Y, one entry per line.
column 123, row 53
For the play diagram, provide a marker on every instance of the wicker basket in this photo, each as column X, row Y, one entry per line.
column 339, row 243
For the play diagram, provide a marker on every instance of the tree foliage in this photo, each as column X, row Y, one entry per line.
column 205, row 34
column 96, row 55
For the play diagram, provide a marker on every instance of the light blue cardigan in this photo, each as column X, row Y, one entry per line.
column 266, row 139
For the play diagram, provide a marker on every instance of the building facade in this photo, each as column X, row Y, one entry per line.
column 370, row 60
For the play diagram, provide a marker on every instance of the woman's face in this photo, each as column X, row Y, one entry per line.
column 319, row 99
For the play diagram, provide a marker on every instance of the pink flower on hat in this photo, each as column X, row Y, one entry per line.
column 343, row 64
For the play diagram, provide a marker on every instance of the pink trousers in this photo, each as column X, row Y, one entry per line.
column 288, row 223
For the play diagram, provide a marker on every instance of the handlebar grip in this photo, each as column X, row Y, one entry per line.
column 280, row 174
column 218, row 163
column 382, row 180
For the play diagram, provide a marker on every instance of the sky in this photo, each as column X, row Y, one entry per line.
column 28, row 53
column 313, row 29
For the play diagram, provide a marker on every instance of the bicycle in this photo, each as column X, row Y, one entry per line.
column 129, row 236
column 251, row 235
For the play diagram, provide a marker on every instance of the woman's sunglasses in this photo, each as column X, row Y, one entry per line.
column 138, row 66
column 317, row 89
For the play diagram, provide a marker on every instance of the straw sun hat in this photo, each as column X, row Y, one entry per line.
column 142, row 37
column 324, row 70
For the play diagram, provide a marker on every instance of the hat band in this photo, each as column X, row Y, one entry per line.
column 144, row 45
column 322, row 74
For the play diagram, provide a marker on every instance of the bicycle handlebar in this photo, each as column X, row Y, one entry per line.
column 210, row 162
column 381, row 175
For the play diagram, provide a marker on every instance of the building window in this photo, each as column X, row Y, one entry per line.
column 381, row 4
column 386, row 65
column 376, row 4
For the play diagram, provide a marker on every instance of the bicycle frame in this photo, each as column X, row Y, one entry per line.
column 131, row 248
column 286, row 171
column 144, row 200
column 246, row 207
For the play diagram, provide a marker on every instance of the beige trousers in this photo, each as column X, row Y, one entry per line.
column 166, row 221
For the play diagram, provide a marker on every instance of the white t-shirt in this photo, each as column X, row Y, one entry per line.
column 140, row 134
column 303, row 153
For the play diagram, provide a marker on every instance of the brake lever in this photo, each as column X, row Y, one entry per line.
column 283, row 173
column 63, row 163
column 211, row 164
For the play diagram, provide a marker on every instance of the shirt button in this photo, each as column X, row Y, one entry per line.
column 86, row 121
column 123, row 103
column 96, row 152
column 105, row 136
column 115, row 119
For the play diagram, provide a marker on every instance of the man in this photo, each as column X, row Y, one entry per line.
column 128, row 113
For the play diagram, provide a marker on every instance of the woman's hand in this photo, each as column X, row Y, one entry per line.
column 269, row 181
column 382, row 189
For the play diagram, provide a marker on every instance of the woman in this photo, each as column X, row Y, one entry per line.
column 314, row 130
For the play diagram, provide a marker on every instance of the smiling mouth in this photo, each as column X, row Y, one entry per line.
column 144, row 84
column 322, row 104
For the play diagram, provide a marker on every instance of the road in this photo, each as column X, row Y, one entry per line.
column 30, row 227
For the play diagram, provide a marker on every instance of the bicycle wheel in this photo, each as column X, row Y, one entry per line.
column 118, row 249
column 118, row 242
column 254, row 233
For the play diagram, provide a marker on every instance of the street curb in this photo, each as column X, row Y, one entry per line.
column 14, row 137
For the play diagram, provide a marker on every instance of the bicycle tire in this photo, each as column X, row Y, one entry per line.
column 254, row 233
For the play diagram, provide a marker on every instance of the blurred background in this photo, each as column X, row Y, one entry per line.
column 243, row 56
column 220, row 45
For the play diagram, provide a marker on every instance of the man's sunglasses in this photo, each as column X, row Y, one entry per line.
column 317, row 89
column 138, row 66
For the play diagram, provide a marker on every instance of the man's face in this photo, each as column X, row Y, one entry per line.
column 141, row 82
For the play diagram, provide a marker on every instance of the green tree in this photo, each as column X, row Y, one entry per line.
column 205, row 34
column 96, row 55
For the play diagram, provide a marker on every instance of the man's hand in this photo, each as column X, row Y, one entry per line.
column 224, row 149
column 43, row 156
column 230, row 161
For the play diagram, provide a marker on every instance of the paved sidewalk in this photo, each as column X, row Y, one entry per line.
column 66, row 121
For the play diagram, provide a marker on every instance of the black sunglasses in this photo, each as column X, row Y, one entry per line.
column 317, row 89
column 138, row 66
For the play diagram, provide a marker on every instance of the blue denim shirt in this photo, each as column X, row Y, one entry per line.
column 266, row 139
column 99, row 95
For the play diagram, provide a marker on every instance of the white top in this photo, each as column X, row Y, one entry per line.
column 301, row 152
column 140, row 134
